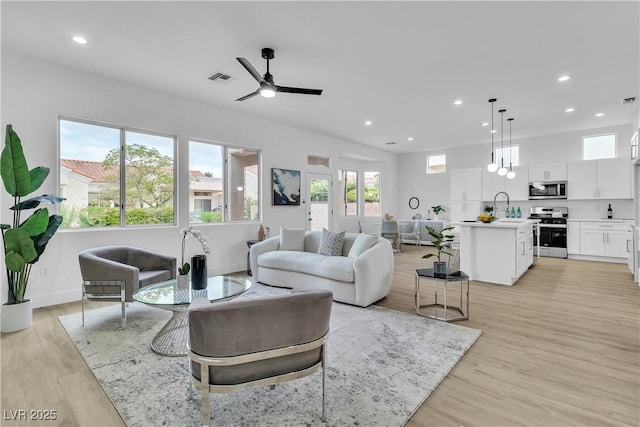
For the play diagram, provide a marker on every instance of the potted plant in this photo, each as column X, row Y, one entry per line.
column 24, row 241
column 436, row 210
column 442, row 241
column 185, row 267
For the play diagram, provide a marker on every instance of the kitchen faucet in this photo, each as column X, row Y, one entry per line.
column 495, row 212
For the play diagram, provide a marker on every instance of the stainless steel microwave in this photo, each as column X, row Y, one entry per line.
column 548, row 190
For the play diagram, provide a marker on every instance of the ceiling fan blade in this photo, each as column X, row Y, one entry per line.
column 251, row 95
column 298, row 90
column 250, row 69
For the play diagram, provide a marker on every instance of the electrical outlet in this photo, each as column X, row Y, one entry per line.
column 44, row 271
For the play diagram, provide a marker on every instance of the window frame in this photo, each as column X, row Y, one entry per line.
column 342, row 177
column 615, row 144
column 122, row 169
column 226, row 183
column 364, row 190
column 429, row 156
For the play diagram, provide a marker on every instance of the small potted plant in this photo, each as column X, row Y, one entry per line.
column 442, row 241
column 436, row 210
column 201, row 260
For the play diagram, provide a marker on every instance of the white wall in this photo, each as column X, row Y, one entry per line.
column 565, row 147
column 35, row 93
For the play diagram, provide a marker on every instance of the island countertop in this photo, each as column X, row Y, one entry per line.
column 503, row 223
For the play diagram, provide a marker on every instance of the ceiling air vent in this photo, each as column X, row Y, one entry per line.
column 390, row 143
column 629, row 100
column 219, row 77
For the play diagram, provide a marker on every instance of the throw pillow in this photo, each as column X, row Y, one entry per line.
column 361, row 244
column 331, row 243
column 292, row 239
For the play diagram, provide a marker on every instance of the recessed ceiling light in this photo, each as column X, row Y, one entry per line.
column 493, row 131
column 569, row 110
column 599, row 114
column 410, row 138
column 368, row 123
column 485, row 124
column 457, row 102
column 79, row 39
column 564, row 78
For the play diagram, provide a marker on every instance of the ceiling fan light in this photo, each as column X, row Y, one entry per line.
column 492, row 167
column 502, row 171
column 511, row 174
column 267, row 92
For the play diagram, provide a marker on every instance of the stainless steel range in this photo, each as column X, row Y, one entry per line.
column 550, row 236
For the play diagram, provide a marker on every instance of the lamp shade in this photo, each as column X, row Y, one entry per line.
column 511, row 174
column 492, row 167
column 502, row 171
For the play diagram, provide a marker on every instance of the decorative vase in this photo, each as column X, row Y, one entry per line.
column 183, row 281
column 440, row 269
column 199, row 272
column 16, row 317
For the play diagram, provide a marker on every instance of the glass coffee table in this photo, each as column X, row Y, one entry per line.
column 172, row 338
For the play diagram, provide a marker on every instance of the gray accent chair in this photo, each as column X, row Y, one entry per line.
column 254, row 342
column 115, row 273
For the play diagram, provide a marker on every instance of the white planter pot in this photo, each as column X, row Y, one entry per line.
column 183, row 281
column 16, row 317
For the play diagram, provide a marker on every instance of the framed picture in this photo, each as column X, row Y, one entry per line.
column 286, row 187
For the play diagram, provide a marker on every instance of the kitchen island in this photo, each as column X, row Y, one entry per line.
column 499, row 252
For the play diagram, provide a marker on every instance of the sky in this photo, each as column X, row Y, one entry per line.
column 84, row 141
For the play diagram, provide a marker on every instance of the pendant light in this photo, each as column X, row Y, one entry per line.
column 502, row 171
column 493, row 166
column 511, row 174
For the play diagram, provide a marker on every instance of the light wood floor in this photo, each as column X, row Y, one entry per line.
column 560, row 348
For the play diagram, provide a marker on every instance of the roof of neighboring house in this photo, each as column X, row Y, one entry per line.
column 92, row 170
column 95, row 172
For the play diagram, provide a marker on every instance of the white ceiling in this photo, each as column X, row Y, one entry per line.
column 399, row 64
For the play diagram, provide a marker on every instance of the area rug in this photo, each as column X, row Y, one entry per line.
column 382, row 365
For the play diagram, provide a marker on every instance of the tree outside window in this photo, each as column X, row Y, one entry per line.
column 372, row 194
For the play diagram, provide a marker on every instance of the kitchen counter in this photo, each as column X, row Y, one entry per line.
column 498, row 252
column 600, row 219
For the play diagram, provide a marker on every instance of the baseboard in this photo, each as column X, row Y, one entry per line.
column 55, row 298
column 598, row 258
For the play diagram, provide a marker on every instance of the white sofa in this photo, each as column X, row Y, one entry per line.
column 354, row 278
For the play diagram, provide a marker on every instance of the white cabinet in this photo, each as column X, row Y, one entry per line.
column 465, row 211
column 548, row 172
column 607, row 239
column 573, row 237
column 517, row 188
column 524, row 251
column 599, row 179
column 466, row 184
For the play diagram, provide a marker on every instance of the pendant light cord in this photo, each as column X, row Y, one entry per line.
column 502, row 135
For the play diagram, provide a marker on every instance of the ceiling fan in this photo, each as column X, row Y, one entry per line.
column 267, row 87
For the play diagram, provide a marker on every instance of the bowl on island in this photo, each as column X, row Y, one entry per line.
column 486, row 218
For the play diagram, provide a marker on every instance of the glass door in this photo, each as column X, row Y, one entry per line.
column 319, row 210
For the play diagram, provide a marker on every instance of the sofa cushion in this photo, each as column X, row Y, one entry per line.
column 291, row 239
column 336, row 268
column 331, row 243
column 362, row 243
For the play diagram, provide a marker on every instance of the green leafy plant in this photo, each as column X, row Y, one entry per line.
column 24, row 242
column 441, row 240
column 437, row 209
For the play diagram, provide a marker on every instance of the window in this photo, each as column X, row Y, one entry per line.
column 218, row 193
column 512, row 155
column 349, row 190
column 372, row 194
column 95, row 161
column 437, row 164
column 599, row 147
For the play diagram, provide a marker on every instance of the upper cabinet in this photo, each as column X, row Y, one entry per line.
column 517, row 188
column 599, row 179
column 548, row 172
column 466, row 184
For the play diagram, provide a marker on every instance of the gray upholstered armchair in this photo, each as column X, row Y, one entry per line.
column 115, row 273
column 253, row 342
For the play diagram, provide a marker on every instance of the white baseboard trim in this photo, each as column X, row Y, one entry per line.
column 598, row 258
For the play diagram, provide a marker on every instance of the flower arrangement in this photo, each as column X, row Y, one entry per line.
column 186, row 232
column 486, row 217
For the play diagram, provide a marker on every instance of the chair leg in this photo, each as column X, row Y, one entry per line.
column 83, row 296
column 124, row 313
column 324, row 382
column 204, row 391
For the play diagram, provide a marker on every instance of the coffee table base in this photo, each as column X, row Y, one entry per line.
column 171, row 340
